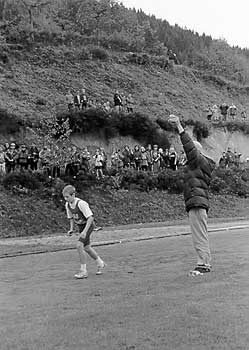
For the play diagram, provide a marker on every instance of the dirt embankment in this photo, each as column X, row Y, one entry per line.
column 220, row 139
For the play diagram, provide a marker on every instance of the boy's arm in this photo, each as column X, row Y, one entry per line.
column 71, row 226
column 71, row 220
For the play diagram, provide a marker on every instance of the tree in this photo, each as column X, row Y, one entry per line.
column 32, row 7
column 2, row 9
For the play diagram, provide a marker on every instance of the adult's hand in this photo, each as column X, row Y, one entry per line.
column 175, row 120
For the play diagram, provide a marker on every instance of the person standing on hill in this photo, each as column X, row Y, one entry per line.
column 10, row 158
column 223, row 110
column 129, row 103
column 118, row 102
column 33, row 157
column 83, row 99
column 70, row 101
column 198, row 173
column 22, row 158
column 77, row 101
column 232, row 111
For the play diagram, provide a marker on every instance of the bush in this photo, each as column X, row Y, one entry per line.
column 231, row 181
column 41, row 101
column 200, row 129
column 21, row 180
column 99, row 53
column 233, row 126
column 117, row 40
column 165, row 125
column 172, row 181
column 132, row 179
column 84, row 181
column 92, row 121
column 84, row 54
column 4, row 58
column 217, row 185
column 9, row 123
column 141, row 127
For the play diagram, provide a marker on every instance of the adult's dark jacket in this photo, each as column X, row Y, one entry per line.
column 198, row 173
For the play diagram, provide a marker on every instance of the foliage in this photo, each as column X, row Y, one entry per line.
column 41, row 101
column 233, row 126
column 109, row 24
column 140, row 126
column 172, row 181
column 21, row 180
column 91, row 121
column 200, row 129
column 99, row 53
column 231, row 181
column 165, row 124
column 143, row 181
column 9, row 123
column 54, row 133
column 222, row 60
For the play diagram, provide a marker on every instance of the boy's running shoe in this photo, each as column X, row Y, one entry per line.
column 81, row 274
column 97, row 228
column 100, row 269
column 195, row 273
column 199, row 270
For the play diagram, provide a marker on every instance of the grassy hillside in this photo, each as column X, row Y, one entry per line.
column 47, row 73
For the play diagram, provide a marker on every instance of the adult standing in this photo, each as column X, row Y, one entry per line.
column 70, row 101
column 83, row 99
column 198, row 172
column 77, row 101
column 117, row 99
column 22, row 158
column 10, row 158
column 172, row 158
column 129, row 104
column 223, row 110
column 33, row 157
column 232, row 111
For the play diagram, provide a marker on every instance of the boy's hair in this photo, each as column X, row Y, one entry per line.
column 69, row 189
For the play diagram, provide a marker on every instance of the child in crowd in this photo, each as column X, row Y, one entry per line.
column 79, row 212
column 98, row 157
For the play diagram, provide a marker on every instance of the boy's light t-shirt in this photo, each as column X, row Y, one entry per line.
column 82, row 205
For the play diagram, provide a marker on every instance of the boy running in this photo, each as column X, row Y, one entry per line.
column 78, row 212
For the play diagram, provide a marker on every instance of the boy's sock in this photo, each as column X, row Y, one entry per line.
column 100, row 262
column 83, row 267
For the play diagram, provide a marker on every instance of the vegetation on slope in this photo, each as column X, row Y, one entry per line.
column 110, row 24
column 48, row 47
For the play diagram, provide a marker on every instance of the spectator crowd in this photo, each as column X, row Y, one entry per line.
column 230, row 158
column 225, row 112
column 79, row 100
column 75, row 161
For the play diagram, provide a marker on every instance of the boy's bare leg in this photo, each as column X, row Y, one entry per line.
column 82, row 253
column 93, row 254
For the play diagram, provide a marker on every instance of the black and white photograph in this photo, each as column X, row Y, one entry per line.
column 124, row 175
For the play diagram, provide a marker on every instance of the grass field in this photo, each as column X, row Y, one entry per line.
column 145, row 300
